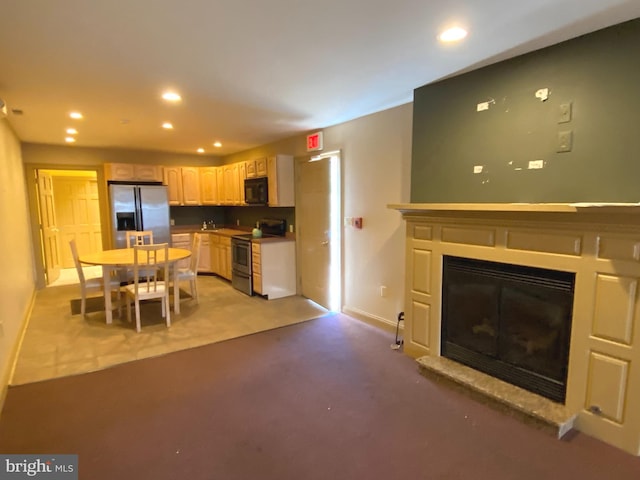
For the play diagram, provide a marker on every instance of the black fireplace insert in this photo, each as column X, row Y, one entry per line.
column 509, row 321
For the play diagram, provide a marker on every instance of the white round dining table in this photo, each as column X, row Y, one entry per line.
column 123, row 258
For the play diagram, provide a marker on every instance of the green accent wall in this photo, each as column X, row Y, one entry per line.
column 597, row 74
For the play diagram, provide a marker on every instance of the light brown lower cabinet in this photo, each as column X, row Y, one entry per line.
column 220, row 251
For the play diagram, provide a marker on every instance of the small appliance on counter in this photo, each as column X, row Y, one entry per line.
column 241, row 274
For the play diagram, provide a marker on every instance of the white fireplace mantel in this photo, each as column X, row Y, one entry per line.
column 599, row 242
column 584, row 207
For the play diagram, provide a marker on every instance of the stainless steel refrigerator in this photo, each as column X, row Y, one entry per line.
column 139, row 207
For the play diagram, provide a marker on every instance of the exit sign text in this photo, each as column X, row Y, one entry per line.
column 314, row 142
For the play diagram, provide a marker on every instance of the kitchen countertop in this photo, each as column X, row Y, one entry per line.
column 229, row 232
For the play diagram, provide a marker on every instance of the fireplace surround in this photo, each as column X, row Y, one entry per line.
column 597, row 244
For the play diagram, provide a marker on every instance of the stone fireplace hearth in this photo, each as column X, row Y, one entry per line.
column 598, row 245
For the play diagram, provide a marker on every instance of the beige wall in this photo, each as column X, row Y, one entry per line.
column 376, row 168
column 17, row 282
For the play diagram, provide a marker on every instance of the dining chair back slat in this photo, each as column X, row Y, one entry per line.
column 142, row 237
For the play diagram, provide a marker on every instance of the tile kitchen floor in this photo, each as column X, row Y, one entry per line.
column 57, row 343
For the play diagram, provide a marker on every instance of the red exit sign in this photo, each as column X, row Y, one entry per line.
column 314, row 142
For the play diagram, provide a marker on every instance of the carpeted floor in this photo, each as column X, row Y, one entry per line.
column 324, row 399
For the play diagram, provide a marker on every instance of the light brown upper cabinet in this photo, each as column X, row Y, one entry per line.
column 183, row 184
column 231, row 184
column 280, row 183
column 209, row 185
column 220, row 184
column 128, row 172
column 261, row 167
column 173, row 181
column 250, row 165
column 242, row 176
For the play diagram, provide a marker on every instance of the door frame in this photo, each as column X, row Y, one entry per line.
column 31, row 171
column 336, row 224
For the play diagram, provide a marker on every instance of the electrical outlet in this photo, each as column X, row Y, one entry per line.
column 357, row 222
column 478, row 168
column 383, row 291
column 565, row 141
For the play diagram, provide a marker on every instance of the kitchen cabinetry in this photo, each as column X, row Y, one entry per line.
column 128, row 172
column 231, row 184
column 242, row 175
column 250, row 165
column 183, row 185
column 280, row 177
column 182, row 240
column 257, row 167
column 173, row 181
column 220, row 250
column 274, row 268
column 204, row 262
column 190, row 185
column 209, row 185
column 261, row 167
column 225, row 257
column 220, row 184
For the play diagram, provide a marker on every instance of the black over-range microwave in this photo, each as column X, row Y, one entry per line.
column 256, row 191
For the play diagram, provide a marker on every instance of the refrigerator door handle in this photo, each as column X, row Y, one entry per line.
column 138, row 208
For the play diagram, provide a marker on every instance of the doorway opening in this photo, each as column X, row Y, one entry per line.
column 319, row 234
column 65, row 205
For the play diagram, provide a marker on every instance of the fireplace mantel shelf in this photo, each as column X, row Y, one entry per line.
column 581, row 207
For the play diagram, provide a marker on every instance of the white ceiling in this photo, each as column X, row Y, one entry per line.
column 250, row 71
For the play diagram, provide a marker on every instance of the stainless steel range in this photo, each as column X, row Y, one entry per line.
column 241, row 274
column 241, row 263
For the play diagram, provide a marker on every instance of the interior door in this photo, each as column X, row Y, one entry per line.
column 317, row 237
column 77, row 211
column 48, row 227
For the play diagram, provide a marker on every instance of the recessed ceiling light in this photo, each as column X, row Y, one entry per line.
column 171, row 96
column 200, row 150
column 453, row 34
column 69, row 139
column 217, row 144
column 76, row 115
column 72, row 131
column 167, row 126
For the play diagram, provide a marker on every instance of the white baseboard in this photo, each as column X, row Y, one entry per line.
column 386, row 324
column 6, row 376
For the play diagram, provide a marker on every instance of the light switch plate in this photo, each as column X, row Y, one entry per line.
column 565, row 141
column 565, row 112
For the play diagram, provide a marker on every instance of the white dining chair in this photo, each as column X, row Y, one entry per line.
column 92, row 285
column 134, row 237
column 149, row 266
column 139, row 237
column 190, row 273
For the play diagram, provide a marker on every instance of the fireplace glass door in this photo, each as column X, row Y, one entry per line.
column 510, row 321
